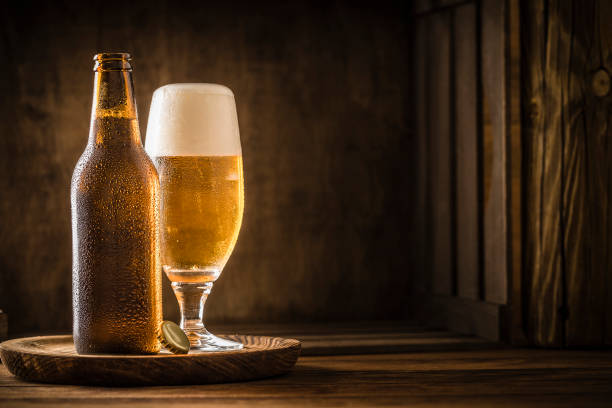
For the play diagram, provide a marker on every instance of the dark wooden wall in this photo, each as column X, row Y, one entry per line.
column 513, row 121
column 468, row 125
column 323, row 97
column 567, row 52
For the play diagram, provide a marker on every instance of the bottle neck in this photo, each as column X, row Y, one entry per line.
column 114, row 118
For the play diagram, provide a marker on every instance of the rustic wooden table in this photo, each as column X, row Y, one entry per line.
column 423, row 369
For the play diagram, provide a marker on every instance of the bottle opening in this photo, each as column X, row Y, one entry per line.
column 112, row 61
column 112, row 56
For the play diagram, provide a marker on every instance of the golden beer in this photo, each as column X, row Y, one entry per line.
column 201, row 213
column 116, row 277
column 194, row 141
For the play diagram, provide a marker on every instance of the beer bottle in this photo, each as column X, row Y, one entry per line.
column 116, row 275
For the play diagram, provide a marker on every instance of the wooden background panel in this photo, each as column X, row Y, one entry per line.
column 543, row 284
column 439, row 118
column 568, row 178
column 447, row 39
column 585, row 173
column 421, row 6
column 494, row 132
column 468, row 237
column 422, row 278
column 450, row 3
column 325, row 117
column 468, row 122
column 604, row 35
column 516, row 331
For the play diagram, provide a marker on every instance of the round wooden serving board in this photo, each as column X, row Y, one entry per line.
column 53, row 359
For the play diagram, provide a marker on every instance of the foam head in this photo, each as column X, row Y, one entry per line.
column 193, row 120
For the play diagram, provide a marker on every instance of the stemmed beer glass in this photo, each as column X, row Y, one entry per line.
column 194, row 141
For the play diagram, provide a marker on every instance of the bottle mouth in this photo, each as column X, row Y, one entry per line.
column 112, row 61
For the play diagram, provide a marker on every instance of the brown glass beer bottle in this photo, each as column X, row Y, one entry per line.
column 116, row 275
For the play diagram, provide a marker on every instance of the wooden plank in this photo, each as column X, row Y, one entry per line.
column 439, row 118
column 495, row 160
column 568, row 173
column 500, row 377
column 498, row 358
column 464, row 316
column 605, row 36
column 543, row 188
column 515, row 330
column 585, row 132
column 468, row 237
column 422, row 274
column 579, row 159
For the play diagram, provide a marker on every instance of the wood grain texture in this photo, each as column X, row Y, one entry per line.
column 53, row 359
column 422, row 280
column 441, row 180
column 502, row 377
column 462, row 77
column 542, row 155
column 514, row 327
column 3, row 325
column 495, row 239
column 586, row 173
column 468, row 228
column 568, row 173
column 325, row 114
column 604, row 35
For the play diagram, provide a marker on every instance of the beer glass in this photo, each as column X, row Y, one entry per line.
column 194, row 142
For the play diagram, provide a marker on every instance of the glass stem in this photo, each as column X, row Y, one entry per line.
column 191, row 299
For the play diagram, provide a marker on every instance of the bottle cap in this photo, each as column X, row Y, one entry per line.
column 173, row 338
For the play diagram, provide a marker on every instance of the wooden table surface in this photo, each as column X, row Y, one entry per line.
column 425, row 369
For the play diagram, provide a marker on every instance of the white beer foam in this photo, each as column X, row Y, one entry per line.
column 193, row 120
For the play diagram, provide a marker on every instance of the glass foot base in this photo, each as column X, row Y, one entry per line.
column 206, row 341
